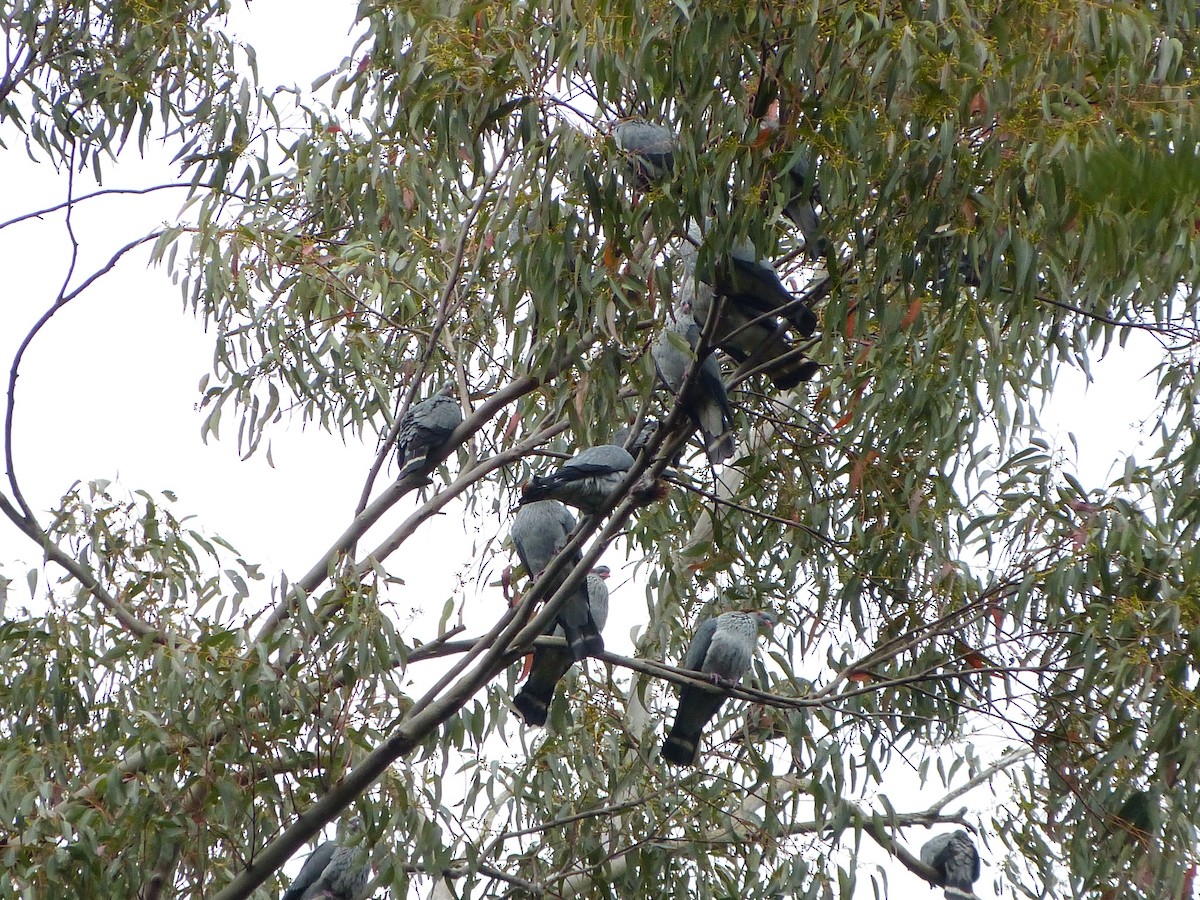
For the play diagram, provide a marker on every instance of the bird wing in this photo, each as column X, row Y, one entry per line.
column 316, row 863
column 699, row 646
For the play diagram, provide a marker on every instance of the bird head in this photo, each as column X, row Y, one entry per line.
column 602, row 571
column 524, row 490
column 765, row 619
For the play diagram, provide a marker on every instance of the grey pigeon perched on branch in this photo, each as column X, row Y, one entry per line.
column 708, row 403
column 585, row 481
column 425, row 427
column 748, row 335
column 552, row 663
column 638, row 442
column 329, row 873
column 539, row 531
column 650, row 148
column 802, row 195
column 721, row 649
column 955, row 859
column 751, row 282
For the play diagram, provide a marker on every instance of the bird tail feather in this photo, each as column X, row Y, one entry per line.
column 680, row 749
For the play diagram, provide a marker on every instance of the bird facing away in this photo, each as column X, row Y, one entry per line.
column 721, row 649
column 708, row 404
column 585, row 481
column 426, row 427
column 539, row 531
column 803, row 194
column 551, row 663
column 956, row 861
column 650, row 148
column 330, row 873
column 748, row 335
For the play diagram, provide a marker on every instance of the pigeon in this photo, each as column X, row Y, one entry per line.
column 329, row 873
column 722, row 649
column 749, row 282
column 585, row 481
column 638, row 442
column 708, row 404
column 539, row 530
column 747, row 335
column 426, row 427
column 650, row 148
column 956, row 861
column 752, row 283
column 551, row 663
column 802, row 194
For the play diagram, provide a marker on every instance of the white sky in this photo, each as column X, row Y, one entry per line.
column 109, row 389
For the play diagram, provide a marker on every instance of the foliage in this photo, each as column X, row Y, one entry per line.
column 1010, row 189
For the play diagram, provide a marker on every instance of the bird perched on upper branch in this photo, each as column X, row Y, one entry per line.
column 650, row 148
column 426, row 427
column 551, row 663
column 708, row 403
column 955, row 859
column 539, row 531
column 722, row 649
column 585, row 481
column 329, row 873
column 803, row 195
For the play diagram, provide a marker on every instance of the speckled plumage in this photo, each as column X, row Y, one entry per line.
column 329, row 873
column 425, row 427
column 722, row 648
column 539, row 530
column 956, row 861
column 708, row 404
column 585, row 481
column 551, row 663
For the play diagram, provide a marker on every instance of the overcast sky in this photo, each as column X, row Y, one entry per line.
column 109, row 389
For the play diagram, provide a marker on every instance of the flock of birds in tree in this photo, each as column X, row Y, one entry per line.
column 760, row 323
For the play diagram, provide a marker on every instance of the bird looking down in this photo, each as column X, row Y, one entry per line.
column 956, row 861
column 722, row 648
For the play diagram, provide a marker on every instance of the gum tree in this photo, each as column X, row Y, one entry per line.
column 1007, row 190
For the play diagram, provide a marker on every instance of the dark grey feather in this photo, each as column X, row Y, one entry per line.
column 585, row 481
column 708, row 404
column 330, row 873
column 550, row 664
column 802, row 197
column 651, row 150
column 747, row 335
